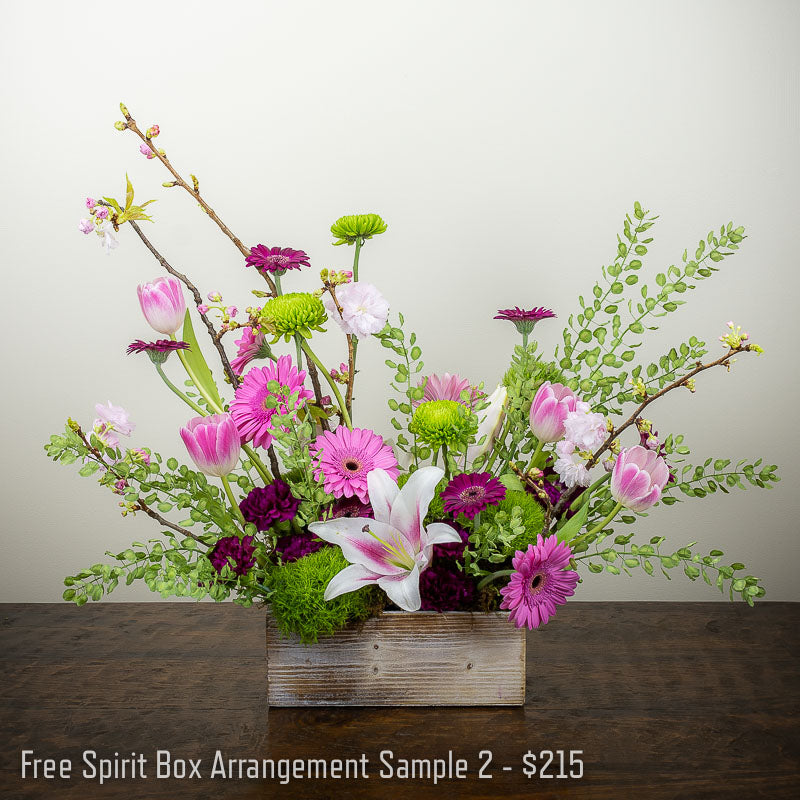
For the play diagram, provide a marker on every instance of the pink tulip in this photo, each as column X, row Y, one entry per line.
column 213, row 443
column 638, row 478
column 550, row 407
column 162, row 304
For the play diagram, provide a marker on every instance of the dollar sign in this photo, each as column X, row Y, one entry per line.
column 529, row 760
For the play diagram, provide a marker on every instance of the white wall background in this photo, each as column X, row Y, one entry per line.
column 503, row 143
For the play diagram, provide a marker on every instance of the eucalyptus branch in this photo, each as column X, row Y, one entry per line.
column 212, row 332
column 193, row 190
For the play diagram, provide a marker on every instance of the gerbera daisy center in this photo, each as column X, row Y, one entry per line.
column 473, row 495
column 352, row 465
column 536, row 582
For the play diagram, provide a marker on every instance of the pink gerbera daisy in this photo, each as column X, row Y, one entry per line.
column 540, row 582
column 251, row 346
column 252, row 417
column 346, row 457
column 443, row 387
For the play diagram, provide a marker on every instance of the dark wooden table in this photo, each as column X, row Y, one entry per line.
column 666, row 700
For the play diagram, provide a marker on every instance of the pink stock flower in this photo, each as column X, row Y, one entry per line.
column 163, row 304
column 540, row 582
column 249, row 410
column 443, row 387
column 346, row 458
column 638, row 478
column 213, row 443
column 86, row 226
column 552, row 403
column 585, row 428
column 251, row 346
column 395, row 547
column 569, row 466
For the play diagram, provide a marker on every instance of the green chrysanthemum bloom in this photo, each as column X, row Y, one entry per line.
column 441, row 422
column 349, row 229
column 293, row 313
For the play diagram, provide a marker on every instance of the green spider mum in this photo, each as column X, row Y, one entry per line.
column 353, row 227
column 294, row 313
column 441, row 422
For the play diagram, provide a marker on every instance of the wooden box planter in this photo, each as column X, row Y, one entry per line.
column 402, row 659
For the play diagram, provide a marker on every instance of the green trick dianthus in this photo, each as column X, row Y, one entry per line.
column 532, row 517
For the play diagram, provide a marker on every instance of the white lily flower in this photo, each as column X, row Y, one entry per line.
column 490, row 424
column 395, row 547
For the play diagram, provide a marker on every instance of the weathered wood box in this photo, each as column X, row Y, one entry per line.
column 402, row 659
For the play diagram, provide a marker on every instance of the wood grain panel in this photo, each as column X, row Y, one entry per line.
column 402, row 659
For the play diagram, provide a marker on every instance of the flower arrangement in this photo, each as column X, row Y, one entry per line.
column 483, row 500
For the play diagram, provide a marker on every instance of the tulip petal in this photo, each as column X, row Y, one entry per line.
column 411, row 505
column 403, row 591
column 359, row 546
column 349, row 579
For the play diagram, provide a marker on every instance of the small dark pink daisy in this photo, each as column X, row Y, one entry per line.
column 524, row 320
column 276, row 260
column 158, row 351
column 471, row 493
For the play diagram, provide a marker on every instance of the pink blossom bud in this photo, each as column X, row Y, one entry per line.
column 86, row 226
column 214, row 297
column 344, row 367
column 549, row 411
column 213, row 443
column 145, row 150
column 638, row 478
column 101, row 212
column 153, row 131
column 162, row 304
column 325, row 401
column 90, row 202
column 202, row 308
column 231, row 311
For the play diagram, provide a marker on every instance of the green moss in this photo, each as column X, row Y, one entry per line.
column 298, row 603
column 532, row 517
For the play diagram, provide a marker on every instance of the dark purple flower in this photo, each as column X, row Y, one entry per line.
column 297, row 545
column 158, row 350
column 444, row 587
column 351, row 507
column 276, row 259
column 471, row 493
column 233, row 549
column 524, row 320
column 266, row 505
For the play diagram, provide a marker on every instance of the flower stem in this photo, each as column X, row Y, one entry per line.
column 178, row 392
column 525, row 340
column 232, row 499
column 581, row 498
column 495, row 450
column 600, row 525
column 445, row 461
column 298, row 345
column 503, row 573
column 334, row 388
column 535, row 455
column 195, row 381
column 257, row 463
column 277, row 284
column 359, row 242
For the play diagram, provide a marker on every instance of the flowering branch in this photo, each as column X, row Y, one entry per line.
column 351, row 349
column 140, row 504
column 194, row 189
column 532, row 480
column 685, row 380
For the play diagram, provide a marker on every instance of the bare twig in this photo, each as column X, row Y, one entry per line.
column 535, row 484
column 212, row 332
column 351, row 352
column 193, row 189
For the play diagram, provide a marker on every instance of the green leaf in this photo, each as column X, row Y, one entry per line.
column 128, row 192
column 197, row 363
column 572, row 527
column 512, row 482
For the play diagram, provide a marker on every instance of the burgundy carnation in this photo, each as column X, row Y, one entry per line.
column 266, row 505
column 297, row 545
column 351, row 507
column 232, row 548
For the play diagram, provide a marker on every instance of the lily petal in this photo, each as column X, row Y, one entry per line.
column 440, row 533
column 358, row 545
column 383, row 492
column 403, row 590
column 490, row 423
column 411, row 505
column 348, row 580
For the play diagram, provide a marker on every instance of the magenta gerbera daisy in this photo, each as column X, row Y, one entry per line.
column 540, row 582
column 276, row 259
column 346, row 457
column 158, row 350
column 251, row 346
column 249, row 410
column 522, row 319
column 471, row 493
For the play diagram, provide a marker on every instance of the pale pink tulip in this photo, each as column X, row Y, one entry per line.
column 638, row 478
column 549, row 410
column 213, row 443
column 163, row 304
